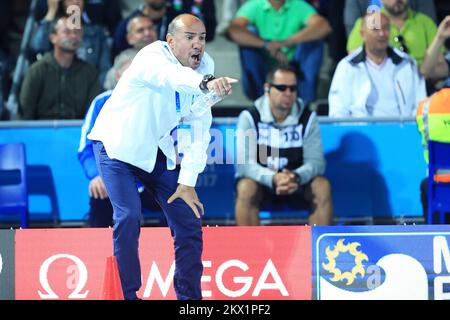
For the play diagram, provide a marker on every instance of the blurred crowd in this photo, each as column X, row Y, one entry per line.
column 367, row 42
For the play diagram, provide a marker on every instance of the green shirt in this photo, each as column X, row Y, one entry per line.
column 418, row 33
column 277, row 25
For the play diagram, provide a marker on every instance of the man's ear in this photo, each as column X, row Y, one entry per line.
column 266, row 88
column 129, row 36
column 170, row 39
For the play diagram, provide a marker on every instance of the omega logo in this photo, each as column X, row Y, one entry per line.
column 81, row 272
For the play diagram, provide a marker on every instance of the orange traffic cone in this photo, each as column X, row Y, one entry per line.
column 111, row 288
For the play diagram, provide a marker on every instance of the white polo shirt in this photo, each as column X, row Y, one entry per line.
column 142, row 111
column 382, row 100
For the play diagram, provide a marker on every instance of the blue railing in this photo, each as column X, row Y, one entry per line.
column 375, row 167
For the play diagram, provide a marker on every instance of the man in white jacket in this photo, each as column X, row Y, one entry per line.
column 132, row 138
column 376, row 79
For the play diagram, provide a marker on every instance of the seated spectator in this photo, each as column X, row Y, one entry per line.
column 270, row 31
column 410, row 31
column 161, row 12
column 101, row 211
column 435, row 65
column 355, row 9
column 94, row 48
column 376, row 80
column 285, row 166
column 59, row 85
column 140, row 33
column 100, row 12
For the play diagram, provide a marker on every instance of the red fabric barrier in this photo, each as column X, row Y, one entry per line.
column 239, row 263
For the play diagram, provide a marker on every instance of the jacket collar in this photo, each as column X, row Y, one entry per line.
column 361, row 57
column 267, row 6
column 50, row 59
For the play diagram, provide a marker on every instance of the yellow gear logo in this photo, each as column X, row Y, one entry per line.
column 340, row 247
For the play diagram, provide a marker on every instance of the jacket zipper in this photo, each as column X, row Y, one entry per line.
column 403, row 96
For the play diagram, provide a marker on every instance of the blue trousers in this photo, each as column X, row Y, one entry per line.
column 308, row 60
column 186, row 228
column 101, row 210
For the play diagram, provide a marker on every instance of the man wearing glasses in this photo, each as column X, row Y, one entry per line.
column 410, row 31
column 282, row 167
column 376, row 80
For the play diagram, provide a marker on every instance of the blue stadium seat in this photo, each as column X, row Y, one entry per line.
column 13, row 182
column 438, row 191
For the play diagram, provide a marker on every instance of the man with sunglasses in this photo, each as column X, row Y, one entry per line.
column 282, row 168
column 376, row 80
column 410, row 31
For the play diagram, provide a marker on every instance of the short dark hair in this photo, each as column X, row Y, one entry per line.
column 283, row 67
column 139, row 15
column 54, row 24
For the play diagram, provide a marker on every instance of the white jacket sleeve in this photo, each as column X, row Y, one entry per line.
column 194, row 154
column 339, row 96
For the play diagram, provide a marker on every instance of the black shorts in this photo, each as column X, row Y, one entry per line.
column 300, row 200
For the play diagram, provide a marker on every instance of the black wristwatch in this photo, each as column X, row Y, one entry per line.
column 204, row 84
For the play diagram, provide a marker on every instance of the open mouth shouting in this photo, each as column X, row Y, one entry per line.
column 195, row 58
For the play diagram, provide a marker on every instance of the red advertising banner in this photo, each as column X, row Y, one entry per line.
column 61, row 263
column 239, row 263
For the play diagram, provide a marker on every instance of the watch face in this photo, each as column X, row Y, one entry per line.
column 205, row 81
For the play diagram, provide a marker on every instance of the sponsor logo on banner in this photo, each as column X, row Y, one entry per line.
column 275, row 263
column 251, row 285
column 78, row 271
column 65, row 264
column 374, row 263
